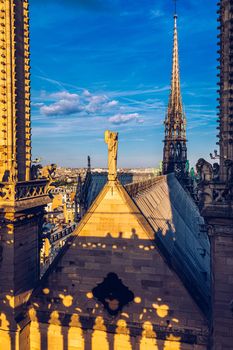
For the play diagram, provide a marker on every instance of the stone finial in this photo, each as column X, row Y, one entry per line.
column 89, row 163
column 111, row 139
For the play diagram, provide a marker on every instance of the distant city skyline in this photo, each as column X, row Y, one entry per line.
column 98, row 67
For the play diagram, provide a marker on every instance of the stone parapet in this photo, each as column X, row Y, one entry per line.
column 23, row 195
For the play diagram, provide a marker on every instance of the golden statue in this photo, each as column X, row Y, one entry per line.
column 111, row 138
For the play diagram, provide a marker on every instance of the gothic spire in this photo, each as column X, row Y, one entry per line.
column 175, row 103
column 175, row 152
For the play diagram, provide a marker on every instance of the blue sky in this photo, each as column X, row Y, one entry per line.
column 106, row 64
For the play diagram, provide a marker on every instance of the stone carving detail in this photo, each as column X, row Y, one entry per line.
column 28, row 190
column 7, row 192
column 36, row 171
column 49, row 172
column 23, row 190
column 205, row 170
column 111, row 139
column 220, row 195
column 210, row 189
column 229, row 166
column 216, row 169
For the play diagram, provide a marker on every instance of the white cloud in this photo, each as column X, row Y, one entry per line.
column 124, row 118
column 112, row 103
column 65, row 103
column 95, row 99
column 64, row 95
column 62, row 107
column 37, row 104
column 95, row 103
column 156, row 14
column 86, row 93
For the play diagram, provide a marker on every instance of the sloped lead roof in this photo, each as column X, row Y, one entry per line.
column 114, row 213
column 159, row 210
column 178, row 227
column 116, row 236
column 94, row 183
column 176, row 222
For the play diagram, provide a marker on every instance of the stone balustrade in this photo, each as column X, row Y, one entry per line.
column 22, row 192
column 58, row 235
column 31, row 189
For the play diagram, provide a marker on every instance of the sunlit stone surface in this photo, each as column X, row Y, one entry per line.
column 149, row 235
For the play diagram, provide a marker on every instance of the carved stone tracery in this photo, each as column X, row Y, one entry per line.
column 23, row 190
column 211, row 189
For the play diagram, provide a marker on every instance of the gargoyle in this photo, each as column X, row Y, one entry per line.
column 49, row 172
column 36, row 171
column 216, row 169
column 229, row 165
column 205, row 170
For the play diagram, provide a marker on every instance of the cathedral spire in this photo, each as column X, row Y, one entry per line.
column 175, row 103
column 175, row 151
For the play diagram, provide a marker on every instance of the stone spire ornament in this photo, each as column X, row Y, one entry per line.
column 111, row 139
column 175, row 150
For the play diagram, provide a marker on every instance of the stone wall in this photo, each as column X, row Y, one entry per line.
column 222, row 263
column 162, row 308
column 111, row 277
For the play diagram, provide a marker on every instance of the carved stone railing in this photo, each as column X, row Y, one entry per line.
column 221, row 193
column 31, row 189
column 7, row 192
column 56, row 238
column 213, row 193
column 23, row 190
column 215, row 196
column 58, row 235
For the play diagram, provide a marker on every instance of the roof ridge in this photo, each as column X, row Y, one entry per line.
column 138, row 187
